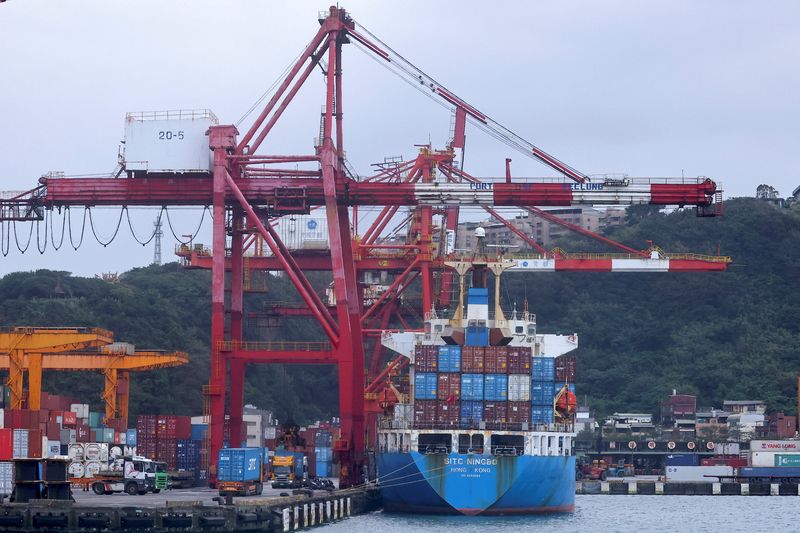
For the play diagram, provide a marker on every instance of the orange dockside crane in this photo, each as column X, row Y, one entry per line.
column 33, row 349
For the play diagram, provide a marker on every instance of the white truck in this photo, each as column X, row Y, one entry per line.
column 139, row 475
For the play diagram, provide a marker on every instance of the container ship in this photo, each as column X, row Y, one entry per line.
column 488, row 428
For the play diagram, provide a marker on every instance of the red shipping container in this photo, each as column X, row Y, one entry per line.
column 183, row 427
column 519, row 360
column 167, row 452
column 426, row 359
column 495, row 360
column 448, row 412
column 35, row 443
column 519, row 412
column 83, row 433
column 53, row 431
column 69, row 419
column 54, row 415
column 425, row 413
column 565, row 368
column 495, row 412
column 472, row 359
column 449, row 387
column 6, row 444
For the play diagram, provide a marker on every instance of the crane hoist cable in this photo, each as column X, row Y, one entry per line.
column 499, row 131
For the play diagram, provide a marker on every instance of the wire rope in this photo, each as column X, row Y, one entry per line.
column 116, row 230
column 195, row 234
column 38, row 244
column 63, row 227
column 152, row 235
column 16, row 238
column 83, row 228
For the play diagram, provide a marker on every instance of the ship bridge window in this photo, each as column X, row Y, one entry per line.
column 438, row 328
column 470, row 443
column 519, row 329
column 508, row 444
column 435, row 443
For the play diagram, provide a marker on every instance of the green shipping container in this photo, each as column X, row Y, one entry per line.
column 6, row 396
column 95, row 420
column 787, row 459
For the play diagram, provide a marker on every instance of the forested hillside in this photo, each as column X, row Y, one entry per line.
column 729, row 335
column 718, row 335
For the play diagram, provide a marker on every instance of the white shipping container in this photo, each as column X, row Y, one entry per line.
column 115, row 452
column 697, row 473
column 270, row 432
column 2, row 418
column 76, row 452
column 404, row 412
column 519, row 388
column 81, row 410
column 76, row 469
column 781, row 446
column 53, row 448
column 726, row 448
column 168, row 141
column 91, row 468
column 300, row 232
column 20, row 444
column 96, row 451
column 6, row 478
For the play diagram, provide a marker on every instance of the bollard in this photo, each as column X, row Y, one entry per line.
column 659, row 487
column 774, row 489
column 305, row 515
column 328, row 510
column 604, row 487
column 321, row 513
column 633, row 487
column 296, row 513
column 285, row 517
column 348, row 506
column 744, row 489
column 716, row 489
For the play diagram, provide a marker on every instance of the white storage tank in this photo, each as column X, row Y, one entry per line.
column 76, row 451
column 76, row 469
column 172, row 142
column 92, row 468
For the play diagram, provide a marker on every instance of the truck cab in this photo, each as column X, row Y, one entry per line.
column 282, row 472
column 139, row 476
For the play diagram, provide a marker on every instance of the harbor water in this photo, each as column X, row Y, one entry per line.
column 635, row 513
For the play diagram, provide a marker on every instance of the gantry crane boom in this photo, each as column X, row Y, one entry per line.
column 16, row 341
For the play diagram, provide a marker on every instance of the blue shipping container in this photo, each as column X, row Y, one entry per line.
column 323, row 439
column 771, row 471
column 425, row 385
column 495, row 388
column 239, row 464
column 478, row 296
column 472, row 387
column 198, row 431
column 683, row 459
column 542, row 393
column 471, row 412
column 449, row 358
column 543, row 369
column 323, row 469
column 130, row 437
column 476, row 336
column 187, row 455
column 323, row 455
column 541, row 414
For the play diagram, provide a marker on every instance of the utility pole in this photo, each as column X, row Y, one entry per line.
column 157, row 233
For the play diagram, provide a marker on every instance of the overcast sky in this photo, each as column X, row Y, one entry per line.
column 642, row 88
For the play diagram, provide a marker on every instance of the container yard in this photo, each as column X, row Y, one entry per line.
column 454, row 397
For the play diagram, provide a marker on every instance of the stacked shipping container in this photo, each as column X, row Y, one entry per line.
column 466, row 385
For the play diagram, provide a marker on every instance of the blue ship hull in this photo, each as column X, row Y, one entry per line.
column 476, row 484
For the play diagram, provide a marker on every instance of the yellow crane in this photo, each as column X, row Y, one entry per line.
column 76, row 349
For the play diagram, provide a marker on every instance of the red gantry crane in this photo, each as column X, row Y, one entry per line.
column 248, row 191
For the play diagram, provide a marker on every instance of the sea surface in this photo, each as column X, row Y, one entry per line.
column 608, row 513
